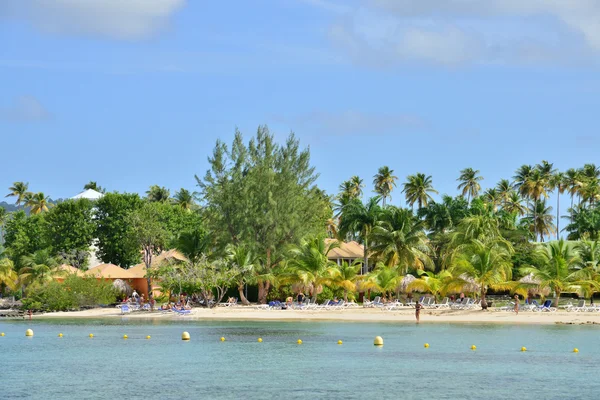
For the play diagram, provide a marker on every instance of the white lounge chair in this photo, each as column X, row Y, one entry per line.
column 444, row 304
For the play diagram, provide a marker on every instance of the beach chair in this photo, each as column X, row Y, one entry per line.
column 579, row 307
column 377, row 302
column 444, row 304
column 547, row 306
column 351, row 304
column 458, row 304
column 181, row 312
column 125, row 309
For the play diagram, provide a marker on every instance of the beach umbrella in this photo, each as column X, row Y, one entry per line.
column 406, row 280
column 530, row 285
column 122, row 287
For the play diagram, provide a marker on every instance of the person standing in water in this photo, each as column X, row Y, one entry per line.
column 418, row 308
column 517, row 304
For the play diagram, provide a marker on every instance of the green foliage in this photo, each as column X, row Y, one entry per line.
column 74, row 293
column 116, row 243
column 585, row 223
column 70, row 226
column 25, row 235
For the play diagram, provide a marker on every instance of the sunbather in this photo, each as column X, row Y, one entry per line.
column 516, row 304
column 418, row 307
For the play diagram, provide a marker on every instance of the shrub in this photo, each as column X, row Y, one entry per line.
column 73, row 293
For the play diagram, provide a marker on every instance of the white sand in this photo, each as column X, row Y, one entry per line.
column 355, row 315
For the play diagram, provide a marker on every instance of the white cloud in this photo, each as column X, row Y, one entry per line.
column 454, row 32
column 115, row 19
column 24, row 109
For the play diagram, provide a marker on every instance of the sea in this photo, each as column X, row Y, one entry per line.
column 107, row 366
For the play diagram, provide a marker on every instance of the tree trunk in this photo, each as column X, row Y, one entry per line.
column 366, row 257
column 346, row 296
column 557, row 212
column 557, row 298
column 243, row 298
column 263, row 292
column 483, row 301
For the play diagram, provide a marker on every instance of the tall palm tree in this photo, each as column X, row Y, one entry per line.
column 557, row 270
column 360, row 218
column 469, row 183
column 514, row 204
column 346, row 276
column 38, row 203
column 591, row 171
column 417, row 189
column 8, row 275
column 157, row 194
column 542, row 220
column 346, row 190
column 521, row 179
column 184, row 199
column 357, row 186
column 18, row 190
column 384, row 182
column 487, row 265
column 504, row 188
column 493, row 198
column 590, row 192
column 558, row 183
column 194, row 244
column 573, row 183
column 310, row 267
column 94, row 186
column 399, row 240
column 38, row 267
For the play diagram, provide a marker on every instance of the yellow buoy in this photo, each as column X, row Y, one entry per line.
column 378, row 341
column 1, row 333
column 60, row 335
column 299, row 341
column 28, row 332
column 185, row 336
column 340, row 342
column 473, row 347
column 259, row 340
column 575, row 350
column 125, row 336
column 148, row 337
column 91, row 335
column 426, row 345
column 523, row 348
column 222, row 339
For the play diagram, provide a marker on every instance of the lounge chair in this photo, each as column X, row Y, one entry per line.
column 547, row 306
column 377, row 302
column 579, row 307
column 324, row 305
column 444, row 304
column 125, row 309
column 181, row 312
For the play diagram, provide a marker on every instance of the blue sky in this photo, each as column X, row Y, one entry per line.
column 131, row 94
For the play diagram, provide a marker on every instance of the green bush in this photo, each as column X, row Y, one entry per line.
column 73, row 293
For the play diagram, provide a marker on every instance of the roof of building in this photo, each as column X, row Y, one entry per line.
column 110, row 271
column 89, row 194
column 350, row 249
column 64, row 268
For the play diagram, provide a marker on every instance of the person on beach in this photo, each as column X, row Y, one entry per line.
column 418, row 308
column 517, row 304
column 300, row 298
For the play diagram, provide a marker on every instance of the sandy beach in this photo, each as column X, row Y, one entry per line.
column 350, row 315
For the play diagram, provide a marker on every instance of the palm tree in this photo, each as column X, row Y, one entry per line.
column 469, row 183
column 194, row 244
column 504, row 188
column 310, row 267
column 93, row 186
column 360, row 218
column 399, row 240
column 384, row 182
column 514, row 204
column 558, row 182
column 417, row 189
column 346, row 276
column 521, row 179
column 346, row 190
column 357, row 186
column 487, row 265
column 3, row 219
column 430, row 282
column 573, row 183
column 384, row 279
column 38, row 203
column 157, row 194
column 18, row 190
column 542, row 220
column 8, row 275
column 493, row 198
column 184, row 199
column 590, row 192
column 38, row 267
column 241, row 260
column 589, row 268
column 557, row 269
column 591, row 171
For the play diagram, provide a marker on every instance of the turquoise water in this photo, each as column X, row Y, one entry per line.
column 165, row 367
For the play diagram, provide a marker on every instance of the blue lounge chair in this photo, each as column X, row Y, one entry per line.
column 181, row 312
column 547, row 306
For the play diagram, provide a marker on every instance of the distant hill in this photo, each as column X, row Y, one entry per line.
column 10, row 207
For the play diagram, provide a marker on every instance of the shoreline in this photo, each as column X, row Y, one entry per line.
column 348, row 315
